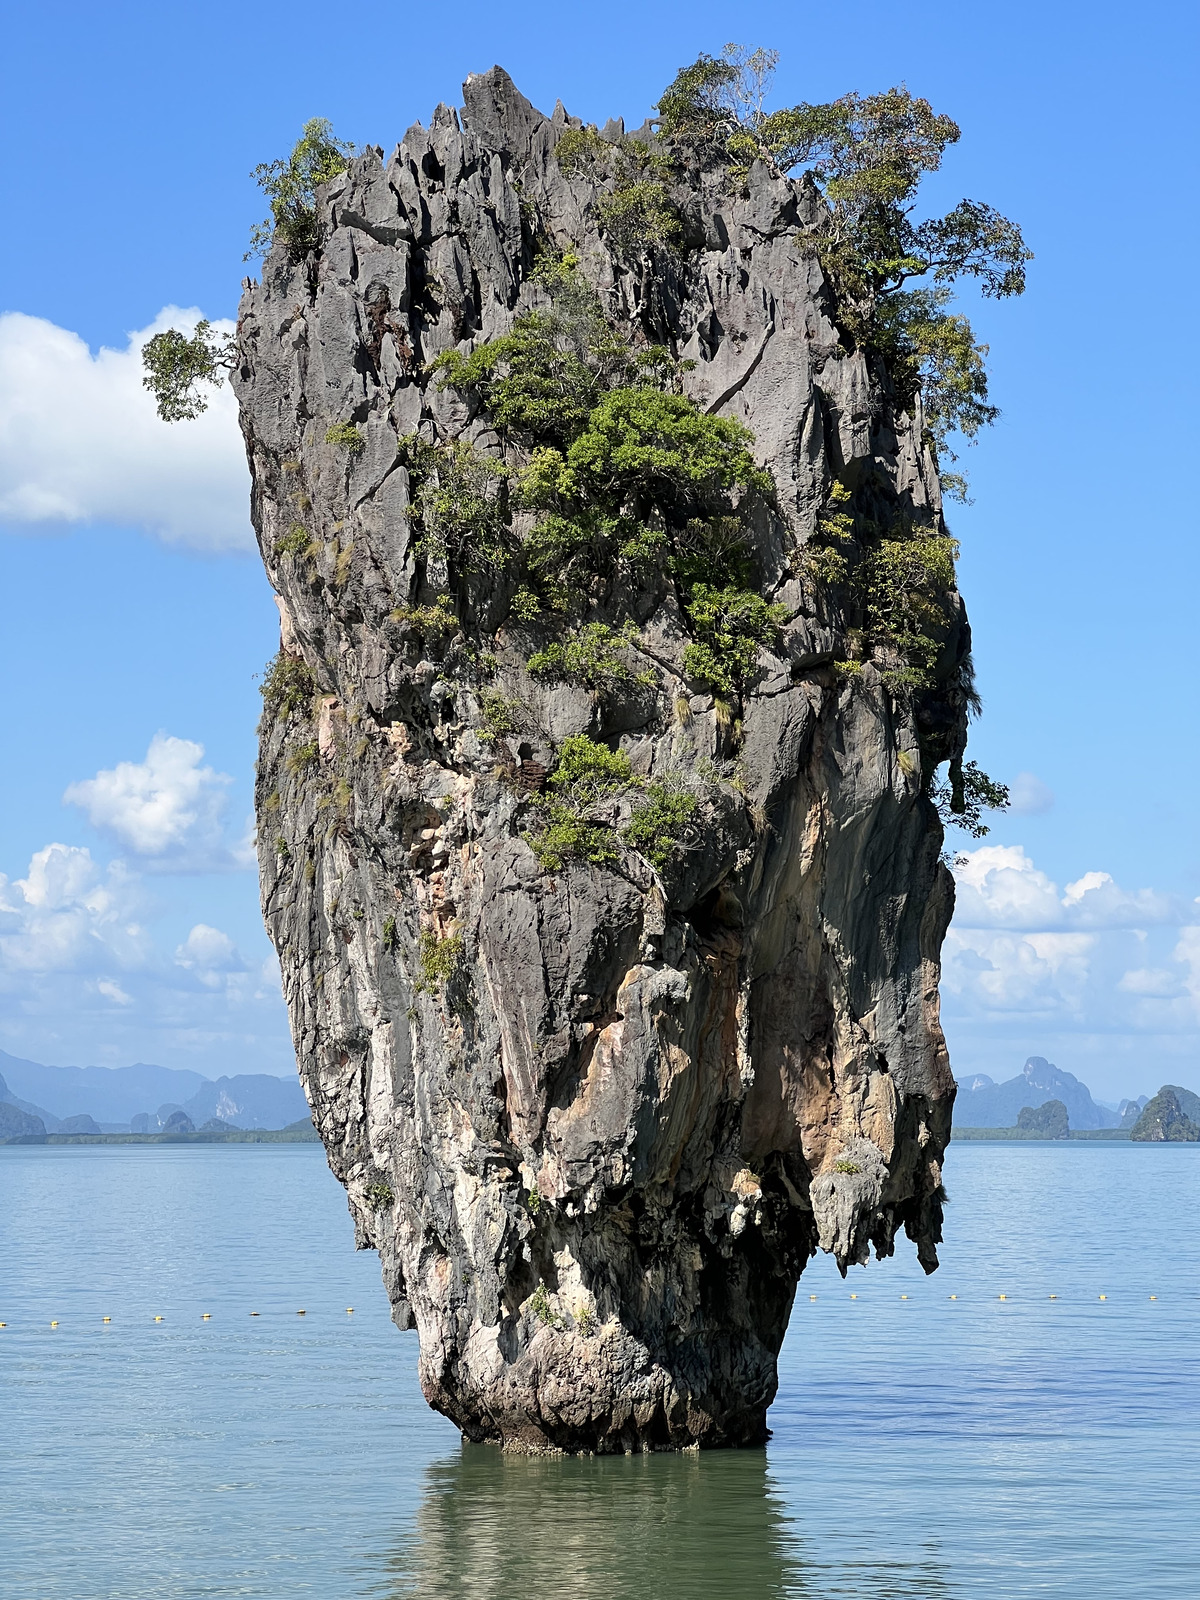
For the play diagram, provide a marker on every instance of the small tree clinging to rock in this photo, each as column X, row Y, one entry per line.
column 867, row 154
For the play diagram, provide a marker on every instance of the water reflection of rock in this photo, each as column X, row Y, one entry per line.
column 492, row 1526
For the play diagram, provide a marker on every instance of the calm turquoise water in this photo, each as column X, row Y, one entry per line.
column 926, row 1448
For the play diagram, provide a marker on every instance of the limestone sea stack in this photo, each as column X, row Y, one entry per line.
column 609, row 924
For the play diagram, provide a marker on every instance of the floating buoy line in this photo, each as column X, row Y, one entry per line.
column 159, row 1318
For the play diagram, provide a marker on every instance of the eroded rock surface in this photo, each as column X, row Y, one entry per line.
column 597, row 1144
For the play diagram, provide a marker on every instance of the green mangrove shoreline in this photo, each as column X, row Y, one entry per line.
column 236, row 1136
column 1025, row 1134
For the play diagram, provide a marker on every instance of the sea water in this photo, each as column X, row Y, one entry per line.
column 964, row 1434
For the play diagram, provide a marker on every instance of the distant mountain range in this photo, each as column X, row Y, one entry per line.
column 984, row 1103
column 113, row 1099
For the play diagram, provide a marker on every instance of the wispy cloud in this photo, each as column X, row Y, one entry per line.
column 80, row 441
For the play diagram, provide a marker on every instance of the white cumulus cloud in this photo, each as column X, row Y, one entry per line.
column 83, row 978
column 1086, row 971
column 1000, row 887
column 69, row 915
column 80, row 441
column 210, row 954
column 168, row 810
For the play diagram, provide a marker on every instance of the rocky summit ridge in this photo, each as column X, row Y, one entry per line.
column 596, row 1095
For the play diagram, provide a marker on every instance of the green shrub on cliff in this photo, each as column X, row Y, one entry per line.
column 291, row 187
column 596, row 656
column 658, row 828
column 461, row 504
column 345, row 436
column 624, row 471
column 586, row 774
column 867, row 155
column 439, row 957
column 287, row 685
column 732, row 623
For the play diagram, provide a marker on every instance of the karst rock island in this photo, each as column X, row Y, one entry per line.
column 598, row 796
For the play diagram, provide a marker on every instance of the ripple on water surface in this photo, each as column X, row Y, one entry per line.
column 927, row 1447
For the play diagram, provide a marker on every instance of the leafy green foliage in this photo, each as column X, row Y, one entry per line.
column 904, row 585
column 291, row 187
column 594, row 656
column 587, row 771
column 659, row 827
column 379, row 1195
column 438, row 619
column 461, row 503
column 623, row 471
column 502, row 715
column 582, row 153
column 585, row 1321
column 868, row 155
column 439, row 960
column 732, row 623
column 294, row 542
column 586, row 774
column 640, row 214
column 652, row 449
column 391, row 936
column 287, row 685
column 933, row 352
column 345, row 436
column 966, row 796
column 304, row 756
column 712, row 105
column 543, row 377
column 539, row 1304
column 638, row 211
column 175, row 367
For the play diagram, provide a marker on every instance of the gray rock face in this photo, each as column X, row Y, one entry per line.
column 596, row 1147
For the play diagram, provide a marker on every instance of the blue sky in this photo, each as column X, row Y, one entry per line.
column 136, row 617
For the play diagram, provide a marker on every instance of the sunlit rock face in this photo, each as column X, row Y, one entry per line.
column 594, row 1119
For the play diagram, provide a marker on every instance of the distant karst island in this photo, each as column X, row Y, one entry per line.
column 60, row 1104
column 1044, row 1102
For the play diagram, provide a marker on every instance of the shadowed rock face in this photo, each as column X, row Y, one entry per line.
column 597, row 1146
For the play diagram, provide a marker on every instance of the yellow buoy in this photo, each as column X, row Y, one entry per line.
column 54, row 1324
column 904, row 1297
column 954, row 1297
column 3, row 1324
column 854, row 1297
column 1104, row 1297
column 812, row 1297
column 1153, row 1297
column 349, row 1311
column 302, row 1313
column 1004, row 1297
column 106, row 1319
column 1054, row 1297
column 206, row 1316
column 158, row 1319
column 254, row 1313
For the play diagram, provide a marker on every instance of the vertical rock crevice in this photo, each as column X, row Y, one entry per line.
column 595, row 1116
